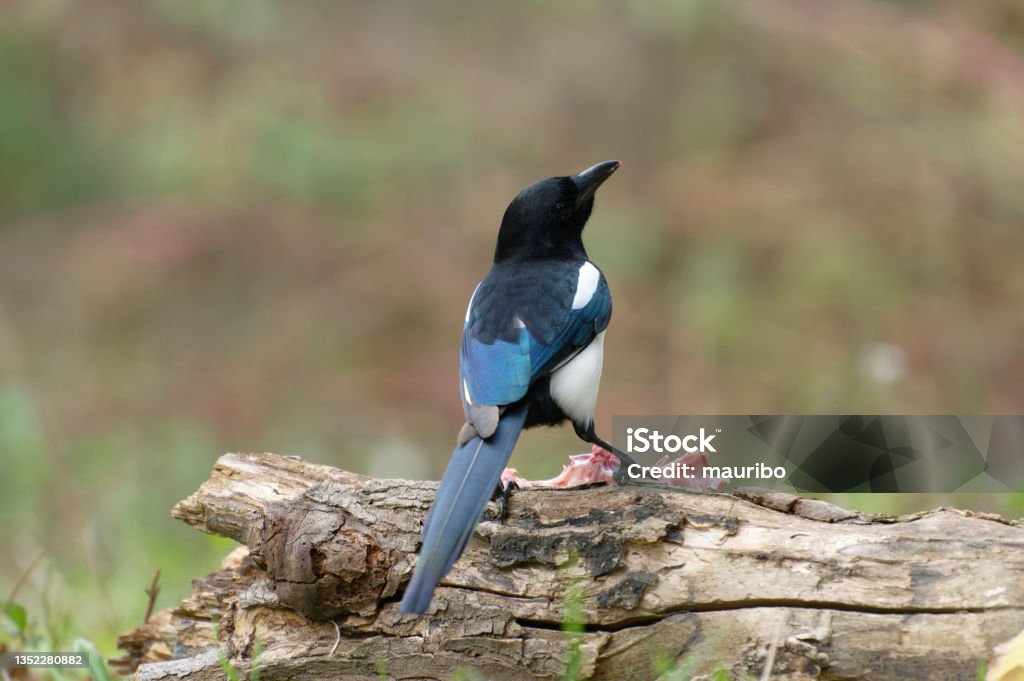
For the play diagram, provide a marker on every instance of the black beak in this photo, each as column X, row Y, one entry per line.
column 590, row 179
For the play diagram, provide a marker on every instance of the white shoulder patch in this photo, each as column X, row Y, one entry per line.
column 586, row 285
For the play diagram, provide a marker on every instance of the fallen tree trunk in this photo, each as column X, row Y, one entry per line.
column 655, row 578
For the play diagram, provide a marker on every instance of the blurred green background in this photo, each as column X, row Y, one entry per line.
column 249, row 225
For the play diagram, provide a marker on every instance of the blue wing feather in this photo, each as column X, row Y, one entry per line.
column 496, row 373
column 500, row 359
column 580, row 328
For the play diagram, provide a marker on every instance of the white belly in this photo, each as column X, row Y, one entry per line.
column 574, row 385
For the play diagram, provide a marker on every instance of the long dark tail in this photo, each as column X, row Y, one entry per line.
column 466, row 487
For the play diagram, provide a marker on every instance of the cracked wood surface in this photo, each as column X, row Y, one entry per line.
column 709, row 580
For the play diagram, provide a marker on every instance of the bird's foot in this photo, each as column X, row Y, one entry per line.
column 620, row 474
column 502, row 494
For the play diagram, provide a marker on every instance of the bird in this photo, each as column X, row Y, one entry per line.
column 531, row 354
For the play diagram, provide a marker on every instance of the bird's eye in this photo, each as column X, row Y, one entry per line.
column 562, row 209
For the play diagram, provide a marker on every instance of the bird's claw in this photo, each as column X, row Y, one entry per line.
column 620, row 476
column 502, row 494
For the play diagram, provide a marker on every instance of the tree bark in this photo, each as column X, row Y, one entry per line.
column 658, row 579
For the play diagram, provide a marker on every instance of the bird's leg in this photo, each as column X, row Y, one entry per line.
column 502, row 493
column 625, row 461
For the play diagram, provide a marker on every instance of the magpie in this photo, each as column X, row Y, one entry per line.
column 531, row 354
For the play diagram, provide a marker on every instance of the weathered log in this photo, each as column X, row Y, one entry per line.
column 658, row 576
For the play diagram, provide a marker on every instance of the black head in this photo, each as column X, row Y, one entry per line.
column 546, row 219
